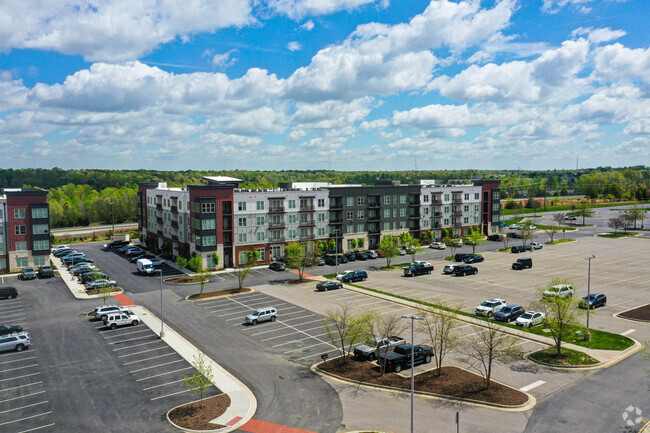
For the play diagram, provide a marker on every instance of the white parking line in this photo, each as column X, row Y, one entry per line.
column 621, row 303
column 163, row 384
column 292, row 341
column 23, row 407
column 10, row 317
column 17, row 360
column 311, row 356
column 628, row 332
column 163, row 374
column 132, row 339
column 305, row 323
column 21, row 396
column 297, row 312
column 18, row 368
column 156, row 366
column 147, row 359
column 19, row 377
column 230, row 307
column 532, row 385
column 173, row 393
column 27, row 417
column 135, row 345
column 307, row 347
column 21, row 386
column 280, row 336
column 239, row 313
column 10, row 308
column 121, row 334
column 37, row 428
column 144, row 351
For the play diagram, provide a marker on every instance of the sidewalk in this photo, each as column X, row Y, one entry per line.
column 77, row 289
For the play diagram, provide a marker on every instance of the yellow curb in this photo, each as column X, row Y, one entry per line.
column 645, row 427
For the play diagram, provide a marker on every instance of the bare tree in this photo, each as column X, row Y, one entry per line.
column 384, row 327
column 244, row 268
column 527, row 233
column 551, row 231
column 487, row 345
column 346, row 328
column 635, row 213
column 561, row 313
column 615, row 223
column 584, row 211
column 558, row 218
column 440, row 327
column 627, row 221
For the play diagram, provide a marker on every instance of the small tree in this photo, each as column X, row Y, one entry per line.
column 636, row 213
column 332, row 245
column 551, row 231
column 627, row 220
column 195, row 263
column 384, row 327
column 474, row 239
column 451, row 244
column 360, row 243
column 105, row 293
column 558, row 218
column 487, row 345
column 527, row 233
column 615, row 223
column 562, row 313
column 504, row 238
column 388, row 247
column 201, row 379
column 346, row 328
column 440, row 327
column 300, row 256
column 201, row 277
column 252, row 256
column 181, row 262
column 216, row 258
column 353, row 243
column 584, row 211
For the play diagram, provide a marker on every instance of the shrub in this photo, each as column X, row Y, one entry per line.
column 195, row 263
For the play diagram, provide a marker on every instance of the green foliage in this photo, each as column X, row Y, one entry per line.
column 475, row 238
column 389, row 248
column 195, row 263
column 531, row 203
column 353, row 243
column 201, row 379
column 181, row 262
column 512, row 204
column 216, row 258
column 360, row 243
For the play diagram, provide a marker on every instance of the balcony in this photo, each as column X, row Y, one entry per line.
column 279, row 240
column 336, row 220
column 159, row 206
column 307, row 208
column 457, row 213
column 175, row 224
column 414, row 216
column 160, row 220
column 373, row 217
column 276, row 209
column 311, row 223
column 308, row 237
column 457, row 200
column 336, row 204
column 277, row 225
column 436, row 214
column 175, row 238
column 457, row 224
column 373, row 229
column 174, row 209
column 414, row 203
column 374, row 204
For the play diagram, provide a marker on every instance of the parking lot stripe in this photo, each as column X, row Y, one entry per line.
column 280, row 336
column 21, row 396
column 147, row 359
column 127, row 333
column 23, row 407
column 291, row 342
column 163, row 384
column 144, row 351
column 156, row 366
column 307, row 347
column 312, row 356
column 20, row 359
column 236, row 312
column 532, row 385
column 21, row 386
column 163, row 374
column 19, row 377
column 173, row 393
column 236, row 307
column 134, row 345
column 27, row 417
column 18, row 368
column 8, row 317
column 132, row 339
column 10, row 308
column 305, row 323
column 628, row 332
column 297, row 312
column 621, row 303
column 37, row 428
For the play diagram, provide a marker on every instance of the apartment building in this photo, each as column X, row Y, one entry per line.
column 24, row 228
column 219, row 217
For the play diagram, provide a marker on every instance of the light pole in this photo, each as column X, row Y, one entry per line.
column 413, row 319
column 162, row 321
column 588, row 335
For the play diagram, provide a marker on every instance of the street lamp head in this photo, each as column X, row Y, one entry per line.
column 413, row 317
column 589, row 258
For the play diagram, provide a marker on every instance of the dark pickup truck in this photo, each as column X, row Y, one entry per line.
column 417, row 269
column 400, row 357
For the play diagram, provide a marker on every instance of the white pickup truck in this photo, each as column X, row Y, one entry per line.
column 121, row 319
column 377, row 345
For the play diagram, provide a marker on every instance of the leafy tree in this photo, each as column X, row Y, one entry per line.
column 332, row 245
column 201, row 380
column 300, row 256
column 195, row 263
column 636, row 213
column 441, row 329
column 322, row 247
column 360, row 243
column 475, row 238
column 346, row 328
column 584, row 211
column 105, row 293
column 389, row 248
column 181, row 262
column 531, row 203
column 384, row 327
column 216, row 258
column 252, row 256
column 452, row 244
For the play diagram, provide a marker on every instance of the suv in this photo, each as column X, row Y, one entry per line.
column 28, row 274
column 354, row 276
column 324, row 286
column 418, row 268
column 490, row 307
column 100, row 284
column 46, row 271
column 560, row 290
column 462, row 270
column 103, row 311
column 495, row 237
column 10, row 329
column 518, row 249
column 262, row 315
column 534, row 246
column 121, row 319
column 473, row 258
column 523, row 263
column 509, row 313
column 8, row 292
column 449, row 269
column 460, row 257
column 117, row 244
column 15, row 342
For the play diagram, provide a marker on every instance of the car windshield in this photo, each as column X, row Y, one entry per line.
column 29, row 270
column 526, row 316
column 554, row 289
column 506, row 309
column 256, row 313
column 489, row 304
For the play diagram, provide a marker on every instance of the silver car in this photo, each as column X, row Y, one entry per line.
column 103, row 311
column 17, row 342
column 262, row 315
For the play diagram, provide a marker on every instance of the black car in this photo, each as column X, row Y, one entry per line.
column 473, row 258
column 126, row 248
column 331, row 259
column 117, row 244
column 460, row 257
column 10, row 329
column 62, row 252
column 8, row 292
column 509, row 313
column 92, row 276
column 141, row 256
column 594, row 300
column 462, row 270
column 518, row 249
column 355, row 276
column 277, row 266
column 351, row 257
column 328, row 285
column 523, row 263
column 495, row 237
column 360, row 256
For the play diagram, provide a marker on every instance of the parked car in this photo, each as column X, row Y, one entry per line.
column 76, row 269
column 61, row 252
column 509, row 313
column 515, row 235
column 514, row 226
column 121, row 319
column 320, row 261
column 124, row 249
column 400, row 357
column 462, row 270
column 324, row 286
column 58, row 248
column 495, row 237
column 355, row 276
column 351, row 257
column 15, row 342
column 360, row 256
column 570, row 218
column 473, row 258
column 459, row 257
column 490, row 307
column 91, row 276
column 27, row 274
column 144, row 266
column 530, row 319
column 8, row 292
column 262, row 315
column 593, row 300
column 145, row 255
column 418, row 268
column 277, row 266
column 560, row 290
column 117, row 244
column 100, row 283
column 372, row 254
column 157, row 263
column 402, row 251
column 343, row 274
column 449, row 269
column 518, row 249
column 437, row 246
column 73, row 259
column 523, row 263
column 376, row 345
column 134, row 252
column 103, row 311
column 80, row 261
column 534, row 246
column 10, row 329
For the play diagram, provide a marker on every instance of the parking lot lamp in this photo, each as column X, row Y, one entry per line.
column 162, row 321
column 587, row 334
column 413, row 319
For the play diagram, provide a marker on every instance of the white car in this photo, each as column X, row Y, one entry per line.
column 514, row 226
column 490, row 307
column 99, row 284
column 530, row 319
column 449, row 269
column 437, row 246
column 103, row 311
column 534, row 246
column 121, row 319
column 343, row 274
column 402, row 252
column 561, row 291
column 532, row 227
column 373, row 254
column 570, row 218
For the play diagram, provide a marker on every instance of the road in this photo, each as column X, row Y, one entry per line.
column 76, row 231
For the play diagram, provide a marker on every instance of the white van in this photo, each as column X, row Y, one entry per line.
column 144, row 266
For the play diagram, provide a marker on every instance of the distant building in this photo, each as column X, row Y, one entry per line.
column 24, row 228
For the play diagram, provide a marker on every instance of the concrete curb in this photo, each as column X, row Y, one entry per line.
column 242, row 401
column 645, row 428
column 77, row 290
column 222, row 429
column 618, row 315
column 532, row 401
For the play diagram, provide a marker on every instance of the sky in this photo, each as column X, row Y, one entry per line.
column 324, row 84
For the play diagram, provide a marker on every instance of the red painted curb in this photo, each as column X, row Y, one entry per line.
column 124, row 300
column 257, row 426
column 304, row 275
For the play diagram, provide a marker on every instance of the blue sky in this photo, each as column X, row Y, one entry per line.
column 303, row 84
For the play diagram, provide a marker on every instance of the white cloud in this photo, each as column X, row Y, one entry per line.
column 223, row 61
column 600, row 35
column 554, row 6
column 308, row 26
column 294, row 46
column 296, row 9
column 616, row 62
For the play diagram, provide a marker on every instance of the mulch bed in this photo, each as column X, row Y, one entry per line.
column 641, row 313
column 207, row 295
column 453, row 382
column 303, row 281
column 183, row 280
column 94, row 291
column 192, row 416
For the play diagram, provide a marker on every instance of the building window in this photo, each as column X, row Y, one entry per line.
column 350, row 215
column 292, row 234
column 360, row 201
column 21, row 262
column 261, row 252
column 394, row 199
column 242, row 237
column 19, row 213
column 349, row 201
column 40, row 229
column 466, row 197
column 425, row 223
column 259, row 205
column 402, row 199
column 446, row 197
column 465, row 220
column 260, row 236
column 20, row 230
column 425, row 211
column 466, row 208
column 349, row 229
column 208, row 208
column 276, row 252
column 321, row 217
column 321, row 202
column 292, row 204
column 321, row 231
column 402, row 224
column 3, row 264
column 21, row 246
column 207, row 225
column 395, row 213
column 303, row 218
column 241, row 222
column 41, row 245
column 360, row 214
column 243, row 257
column 386, row 226
column 446, row 221
column 180, row 205
column 476, row 208
column 349, row 244
column 39, row 212
column 260, row 221
column 360, row 228
column 446, row 210
column 386, row 199
column 386, row 213
column 495, row 218
column 476, row 221
column 292, row 219
column 209, row 241
column 241, row 205
column 39, row 261
column 496, row 195
column 402, row 212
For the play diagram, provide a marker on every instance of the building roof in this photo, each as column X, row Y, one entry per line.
column 221, row 179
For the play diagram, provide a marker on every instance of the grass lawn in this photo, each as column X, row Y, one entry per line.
column 539, row 226
column 566, row 207
column 599, row 339
column 329, row 276
column 616, row 235
column 559, row 241
column 569, row 357
column 395, row 266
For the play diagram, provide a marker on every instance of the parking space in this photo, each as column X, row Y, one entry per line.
column 24, row 402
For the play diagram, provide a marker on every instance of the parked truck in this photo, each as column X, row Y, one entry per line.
column 400, row 357
column 418, row 268
column 372, row 348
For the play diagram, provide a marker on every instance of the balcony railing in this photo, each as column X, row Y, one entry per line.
column 307, row 209
column 307, row 223
column 279, row 240
column 174, row 209
column 307, row 237
column 277, row 225
column 160, row 220
column 336, row 205
column 159, row 206
column 277, row 209
column 457, row 213
column 174, row 224
column 336, row 221
column 457, row 200
column 374, row 204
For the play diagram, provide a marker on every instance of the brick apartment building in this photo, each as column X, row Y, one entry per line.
column 24, row 228
column 220, row 217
